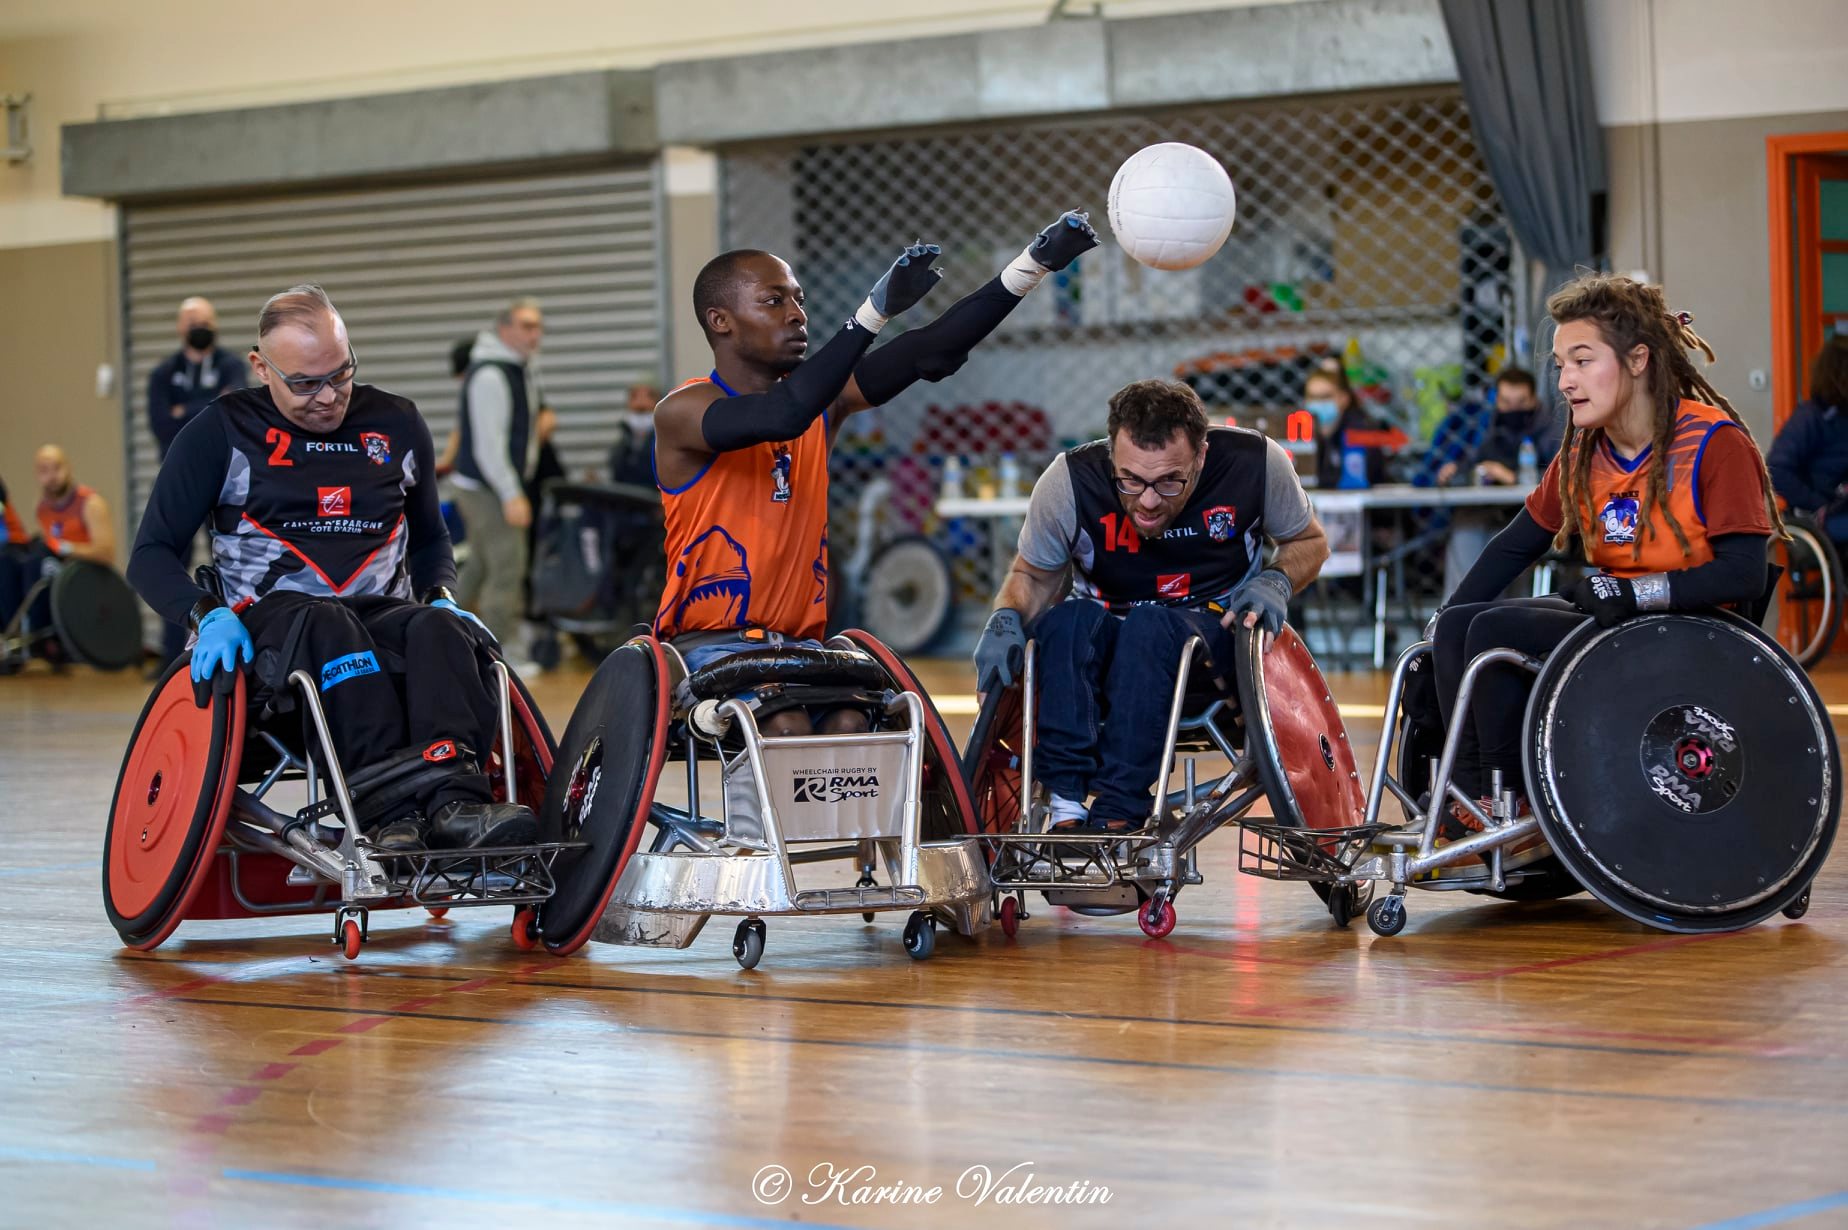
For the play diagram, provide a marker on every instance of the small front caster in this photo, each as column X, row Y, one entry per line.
column 920, row 935
column 1157, row 918
column 525, row 929
column 1387, row 916
column 350, row 932
column 1010, row 917
column 748, row 942
column 1799, row 907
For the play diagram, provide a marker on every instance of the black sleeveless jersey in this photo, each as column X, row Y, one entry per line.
column 1215, row 542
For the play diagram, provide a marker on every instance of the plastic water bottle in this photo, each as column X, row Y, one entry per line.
column 1529, row 463
column 1010, row 476
column 952, row 478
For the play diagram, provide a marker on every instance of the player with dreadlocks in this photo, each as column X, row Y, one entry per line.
column 1657, row 478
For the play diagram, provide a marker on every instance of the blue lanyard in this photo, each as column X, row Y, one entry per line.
column 729, row 391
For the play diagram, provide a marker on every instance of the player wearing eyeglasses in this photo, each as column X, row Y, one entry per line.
column 320, row 496
column 1171, row 529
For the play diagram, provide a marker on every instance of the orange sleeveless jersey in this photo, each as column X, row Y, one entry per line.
column 66, row 523
column 747, row 541
column 1611, row 508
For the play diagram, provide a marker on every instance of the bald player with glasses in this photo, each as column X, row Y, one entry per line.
column 1170, row 529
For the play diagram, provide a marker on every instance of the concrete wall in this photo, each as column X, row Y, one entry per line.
column 57, row 323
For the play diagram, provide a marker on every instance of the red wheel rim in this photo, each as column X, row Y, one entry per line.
column 523, row 935
column 1010, row 917
column 350, row 940
column 1156, row 926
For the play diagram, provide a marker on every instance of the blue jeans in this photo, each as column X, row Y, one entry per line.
column 705, row 655
column 1105, row 686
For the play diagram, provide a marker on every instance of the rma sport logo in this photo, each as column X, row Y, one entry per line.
column 835, row 785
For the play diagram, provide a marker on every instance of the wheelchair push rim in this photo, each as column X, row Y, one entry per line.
column 1809, row 634
column 96, row 616
column 1683, row 769
column 602, row 787
column 172, row 800
column 1295, row 736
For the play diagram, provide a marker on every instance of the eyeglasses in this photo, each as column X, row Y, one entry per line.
column 310, row 386
column 1166, row 488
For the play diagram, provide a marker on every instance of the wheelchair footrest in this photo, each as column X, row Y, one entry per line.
column 1285, row 852
column 505, row 875
column 875, row 897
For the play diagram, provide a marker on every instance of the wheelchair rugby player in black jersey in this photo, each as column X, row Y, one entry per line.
column 320, row 496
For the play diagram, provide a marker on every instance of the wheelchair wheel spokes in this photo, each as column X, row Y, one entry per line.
column 993, row 760
column 1810, row 595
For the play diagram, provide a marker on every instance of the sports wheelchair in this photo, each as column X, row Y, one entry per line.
column 1277, row 725
column 94, row 619
column 194, row 832
column 890, row 800
column 1680, row 768
column 1809, row 602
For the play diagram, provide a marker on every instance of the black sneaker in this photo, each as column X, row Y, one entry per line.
column 410, row 833
column 463, row 824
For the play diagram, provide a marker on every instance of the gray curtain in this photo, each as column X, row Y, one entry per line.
column 1526, row 77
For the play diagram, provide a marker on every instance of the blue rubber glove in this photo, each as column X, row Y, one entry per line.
column 222, row 640
column 448, row 605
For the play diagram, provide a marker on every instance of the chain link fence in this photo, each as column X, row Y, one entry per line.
column 1368, row 234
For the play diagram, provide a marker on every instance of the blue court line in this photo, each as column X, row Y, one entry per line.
column 32, row 871
column 1782, row 1213
column 561, row 1204
column 11, row 1153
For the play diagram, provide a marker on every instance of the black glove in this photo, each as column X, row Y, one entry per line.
column 1064, row 241
column 1609, row 600
column 1001, row 652
column 907, row 281
column 1268, row 594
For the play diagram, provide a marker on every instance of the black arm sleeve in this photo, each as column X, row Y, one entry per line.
column 431, row 558
column 185, row 489
column 937, row 349
column 1735, row 574
column 1508, row 555
column 792, row 403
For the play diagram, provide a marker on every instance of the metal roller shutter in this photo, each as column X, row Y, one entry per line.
column 413, row 269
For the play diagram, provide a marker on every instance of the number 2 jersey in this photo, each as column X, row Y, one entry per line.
column 350, row 512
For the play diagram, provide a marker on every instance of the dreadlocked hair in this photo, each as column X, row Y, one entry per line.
column 1630, row 314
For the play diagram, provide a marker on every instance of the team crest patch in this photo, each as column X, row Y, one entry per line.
column 334, row 501
column 1219, row 522
column 1619, row 516
column 377, row 445
column 779, row 474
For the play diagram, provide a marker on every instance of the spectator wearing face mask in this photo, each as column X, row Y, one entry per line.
column 1329, row 397
column 632, row 456
column 192, row 377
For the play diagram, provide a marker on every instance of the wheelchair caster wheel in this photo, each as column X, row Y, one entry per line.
column 438, row 911
column 1342, row 902
column 866, row 881
column 525, row 930
column 1799, row 907
column 748, row 943
column 350, row 939
column 1387, row 916
column 1157, row 920
column 920, row 935
column 1010, row 917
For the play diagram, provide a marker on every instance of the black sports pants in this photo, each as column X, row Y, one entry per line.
column 1492, row 740
column 391, row 674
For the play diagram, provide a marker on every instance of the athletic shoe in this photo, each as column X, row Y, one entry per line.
column 463, row 824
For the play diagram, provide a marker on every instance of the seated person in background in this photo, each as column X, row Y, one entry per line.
column 1165, row 524
column 73, row 523
column 1809, row 458
column 1496, row 460
column 321, row 498
column 1685, row 536
column 632, row 456
column 741, row 458
column 13, row 540
column 1330, row 398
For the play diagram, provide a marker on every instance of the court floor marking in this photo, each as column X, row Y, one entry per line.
column 1054, row 1058
column 1781, row 1214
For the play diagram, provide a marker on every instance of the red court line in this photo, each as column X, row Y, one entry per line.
column 273, row 1071
column 243, row 1095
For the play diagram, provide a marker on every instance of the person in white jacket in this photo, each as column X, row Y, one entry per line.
column 499, row 446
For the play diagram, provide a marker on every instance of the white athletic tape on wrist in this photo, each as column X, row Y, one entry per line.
column 1023, row 273
column 869, row 319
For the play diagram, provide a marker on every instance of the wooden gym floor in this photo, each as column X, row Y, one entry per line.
column 1495, row 1065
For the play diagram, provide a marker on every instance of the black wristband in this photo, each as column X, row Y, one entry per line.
column 202, row 608
column 436, row 593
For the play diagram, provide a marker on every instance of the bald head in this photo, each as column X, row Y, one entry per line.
column 53, row 470
column 198, row 323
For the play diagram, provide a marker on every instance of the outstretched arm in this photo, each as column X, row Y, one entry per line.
column 939, row 349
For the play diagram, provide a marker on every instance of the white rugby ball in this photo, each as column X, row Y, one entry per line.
column 1171, row 205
